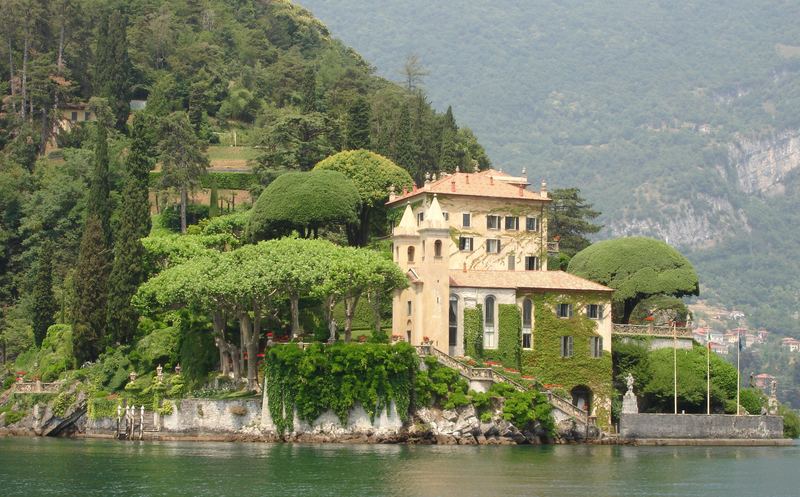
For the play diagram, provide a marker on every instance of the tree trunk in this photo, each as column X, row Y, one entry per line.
column 349, row 310
column 11, row 74
column 376, row 313
column 25, row 71
column 295, row 303
column 234, row 358
column 252, row 347
column 330, row 303
column 60, row 59
column 219, row 338
column 184, row 201
column 245, row 326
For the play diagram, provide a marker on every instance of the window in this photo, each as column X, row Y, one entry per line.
column 596, row 346
column 446, row 215
column 531, row 224
column 492, row 222
column 566, row 346
column 512, row 262
column 74, row 117
column 410, row 254
column 564, row 310
column 420, row 217
column 408, row 304
column 512, row 223
column 531, row 263
column 527, row 321
column 488, row 323
column 493, row 246
column 86, row 116
column 437, row 248
column 466, row 220
column 594, row 311
column 465, row 243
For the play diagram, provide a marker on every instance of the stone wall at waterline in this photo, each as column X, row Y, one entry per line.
column 700, row 426
column 213, row 416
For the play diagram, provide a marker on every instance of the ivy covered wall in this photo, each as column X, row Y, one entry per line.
column 509, row 343
column 473, row 331
column 545, row 362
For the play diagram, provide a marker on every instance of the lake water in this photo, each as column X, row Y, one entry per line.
column 33, row 467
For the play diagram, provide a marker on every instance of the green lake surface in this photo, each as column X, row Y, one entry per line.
column 36, row 466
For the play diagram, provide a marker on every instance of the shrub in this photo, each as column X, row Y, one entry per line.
column 791, row 422
column 171, row 216
column 14, row 417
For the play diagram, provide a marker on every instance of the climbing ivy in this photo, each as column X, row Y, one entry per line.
column 545, row 361
column 509, row 346
column 337, row 377
column 473, row 332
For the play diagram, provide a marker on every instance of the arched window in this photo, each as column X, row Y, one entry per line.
column 437, row 248
column 489, row 341
column 527, row 321
column 410, row 254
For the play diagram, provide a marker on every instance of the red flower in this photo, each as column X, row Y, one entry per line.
column 260, row 355
column 269, row 334
column 649, row 318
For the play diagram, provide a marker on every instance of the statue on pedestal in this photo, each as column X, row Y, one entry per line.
column 629, row 403
column 772, row 402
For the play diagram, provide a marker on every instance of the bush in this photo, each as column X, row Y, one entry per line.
column 62, row 403
column 14, row 417
column 791, row 422
column 171, row 216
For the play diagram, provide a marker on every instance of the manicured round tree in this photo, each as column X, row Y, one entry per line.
column 303, row 202
column 636, row 268
column 372, row 174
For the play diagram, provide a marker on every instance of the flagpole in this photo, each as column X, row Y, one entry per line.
column 675, row 365
column 738, row 371
column 708, row 375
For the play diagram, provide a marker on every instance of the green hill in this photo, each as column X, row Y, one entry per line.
column 679, row 120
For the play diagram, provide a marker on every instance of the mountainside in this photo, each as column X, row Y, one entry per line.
column 678, row 120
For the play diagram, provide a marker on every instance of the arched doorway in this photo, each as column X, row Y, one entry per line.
column 582, row 397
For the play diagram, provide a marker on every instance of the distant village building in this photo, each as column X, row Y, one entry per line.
column 791, row 344
column 76, row 113
column 719, row 348
column 763, row 381
column 478, row 241
column 137, row 105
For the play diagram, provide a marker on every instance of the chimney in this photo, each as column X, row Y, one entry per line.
column 405, row 191
column 414, row 189
column 543, row 191
column 453, row 185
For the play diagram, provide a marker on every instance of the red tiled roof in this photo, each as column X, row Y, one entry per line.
column 544, row 280
column 488, row 183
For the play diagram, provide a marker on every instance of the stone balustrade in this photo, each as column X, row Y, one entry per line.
column 649, row 330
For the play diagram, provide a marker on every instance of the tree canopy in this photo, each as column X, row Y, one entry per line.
column 304, row 201
column 372, row 174
column 636, row 268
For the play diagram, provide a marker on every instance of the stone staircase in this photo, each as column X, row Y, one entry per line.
column 565, row 406
column 141, row 426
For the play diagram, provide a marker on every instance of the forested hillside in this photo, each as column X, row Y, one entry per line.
column 73, row 195
column 679, row 120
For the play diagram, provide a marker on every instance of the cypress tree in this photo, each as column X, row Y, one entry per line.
column 127, row 272
column 113, row 66
column 44, row 302
column 94, row 256
column 358, row 125
column 405, row 150
column 309, row 90
column 91, row 291
column 449, row 157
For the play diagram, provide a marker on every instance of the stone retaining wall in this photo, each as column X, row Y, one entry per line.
column 700, row 426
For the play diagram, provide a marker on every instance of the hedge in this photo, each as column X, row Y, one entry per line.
column 223, row 181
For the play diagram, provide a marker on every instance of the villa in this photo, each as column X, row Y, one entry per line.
column 474, row 247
